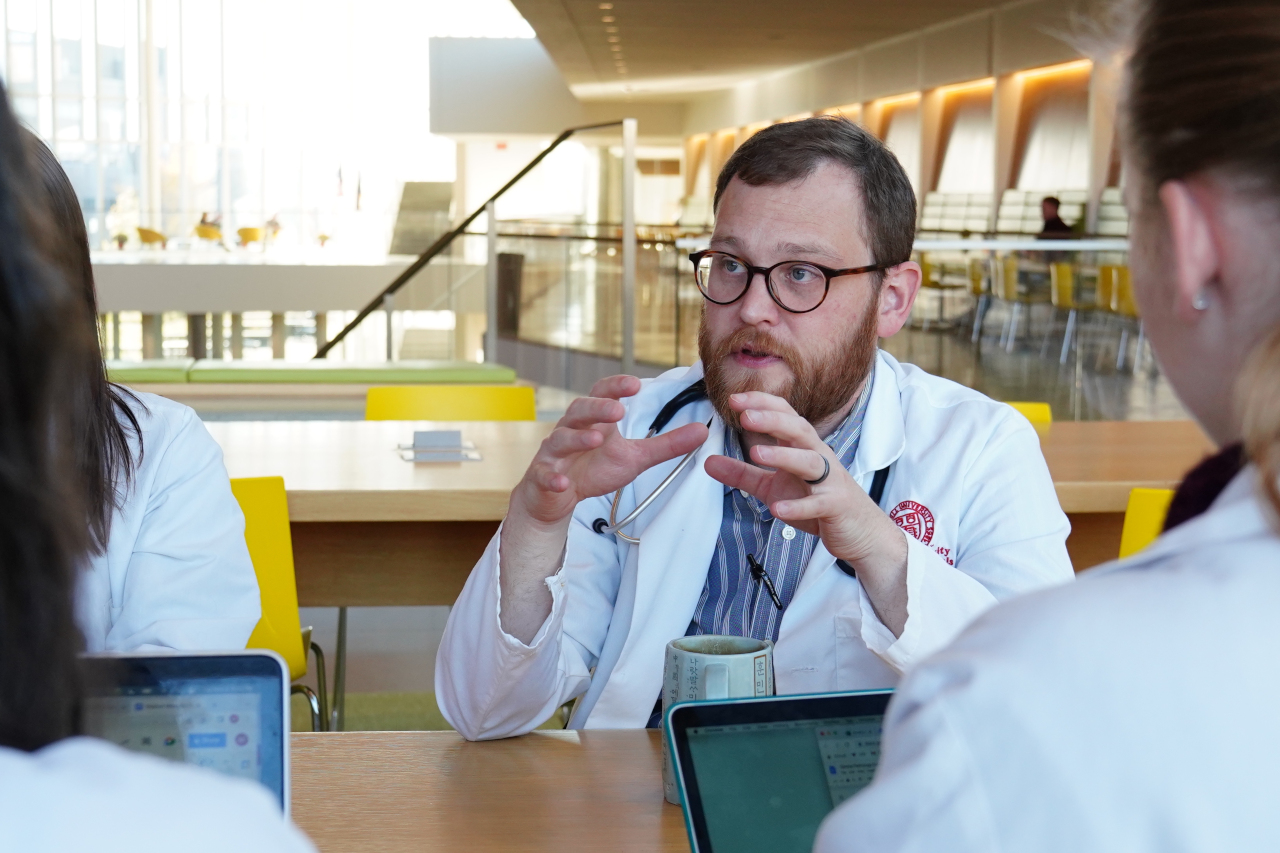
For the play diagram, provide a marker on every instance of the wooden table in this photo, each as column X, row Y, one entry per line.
column 371, row 529
column 546, row 791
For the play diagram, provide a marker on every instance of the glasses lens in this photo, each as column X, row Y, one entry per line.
column 799, row 287
column 721, row 278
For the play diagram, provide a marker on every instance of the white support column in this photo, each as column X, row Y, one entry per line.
column 1006, row 102
column 151, row 131
column 491, row 288
column 388, row 308
column 628, row 245
column 1104, row 96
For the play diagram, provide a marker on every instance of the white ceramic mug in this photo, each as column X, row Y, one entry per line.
column 711, row 666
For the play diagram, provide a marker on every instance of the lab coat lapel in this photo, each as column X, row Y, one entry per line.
column 674, row 553
column 882, row 443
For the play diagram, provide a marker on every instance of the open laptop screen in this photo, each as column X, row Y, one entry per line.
column 221, row 711
column 761, row 775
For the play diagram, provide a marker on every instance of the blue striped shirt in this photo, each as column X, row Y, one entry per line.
column 733, row 602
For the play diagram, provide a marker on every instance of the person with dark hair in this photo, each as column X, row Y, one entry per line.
column 853, row 510
column 1054, row 227
column 1136, row 710
column 169, row 566
column 59, row 792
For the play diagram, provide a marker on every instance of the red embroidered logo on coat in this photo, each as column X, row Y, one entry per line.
column 915, row 519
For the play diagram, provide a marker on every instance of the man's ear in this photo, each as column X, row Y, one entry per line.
column 1191, row 243
column 897, row 295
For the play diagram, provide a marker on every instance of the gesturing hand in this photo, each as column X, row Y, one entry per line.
column 852, row 527
column 587, row 456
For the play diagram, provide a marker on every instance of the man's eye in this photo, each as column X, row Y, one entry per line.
column 730, row 266
column 803, row 275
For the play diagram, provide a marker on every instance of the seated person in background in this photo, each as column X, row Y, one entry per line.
column 169, row 565
column 772, row 533
column 57, row 792
column 1135, row 711
column 1054, row 227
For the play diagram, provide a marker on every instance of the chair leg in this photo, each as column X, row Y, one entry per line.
column 320, row 683
column 1013, row 327
column 1068, row 336
column 1124, row 347
column 984, row 305
column 1137, row 351
column 316, row 719
column 338, row 715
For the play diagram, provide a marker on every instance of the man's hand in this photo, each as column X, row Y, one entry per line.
column 585, row 456
column 851, row 526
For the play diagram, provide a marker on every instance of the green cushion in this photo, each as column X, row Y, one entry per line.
column 151, row 370
column 321, row 371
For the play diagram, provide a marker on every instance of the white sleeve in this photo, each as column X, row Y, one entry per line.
column 927, row 794
column 190, row 583
column 491, row 685
column 1013, row 537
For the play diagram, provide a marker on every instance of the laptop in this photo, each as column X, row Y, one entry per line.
column 228, row 711
column 760, row 774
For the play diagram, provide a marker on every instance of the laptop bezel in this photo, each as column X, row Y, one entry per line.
column 235, row 661
column 756, row 709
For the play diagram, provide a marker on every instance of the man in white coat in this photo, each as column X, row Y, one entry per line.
column 856, row 511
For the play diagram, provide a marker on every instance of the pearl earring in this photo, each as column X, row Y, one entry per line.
column 1201, row 301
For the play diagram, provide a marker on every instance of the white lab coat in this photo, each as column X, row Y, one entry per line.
column 1135, row 710
column 176, row 572
column 87, row 794
column 974, row 465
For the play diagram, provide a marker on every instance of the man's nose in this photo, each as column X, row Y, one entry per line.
column 757, row 304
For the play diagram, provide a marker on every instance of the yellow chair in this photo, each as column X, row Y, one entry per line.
column 450, row 403
column 981, row 295
column 1062, row 295
column 250, row 235
column 1106, row 286
column 1040, row 414
column 209, row 232
column 1144, row 519
column 1005, row 288
column 1124, row 306
column 266, row 532
column 150, row 238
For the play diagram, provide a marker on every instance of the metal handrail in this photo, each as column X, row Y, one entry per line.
column 446, row 239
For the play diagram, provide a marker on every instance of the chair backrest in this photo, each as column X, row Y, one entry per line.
column 1008, row 278
column 1040, row 414
column 1143, row 519
column 250, row 235
column 266, row 531
column 208, row 232
column 977, row 276
column 929, row 273
column 450, row 403
column 1122, row 294
column 1062, row 278
column 1106, row 286
column 146, row 235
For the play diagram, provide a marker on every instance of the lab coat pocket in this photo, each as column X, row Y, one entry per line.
column 857, row 667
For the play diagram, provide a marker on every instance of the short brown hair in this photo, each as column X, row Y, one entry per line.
column 790, row 151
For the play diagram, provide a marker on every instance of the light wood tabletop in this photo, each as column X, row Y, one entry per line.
column 546, row 791
column 351, row 470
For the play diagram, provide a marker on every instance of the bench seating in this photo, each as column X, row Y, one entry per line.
column 320, row 372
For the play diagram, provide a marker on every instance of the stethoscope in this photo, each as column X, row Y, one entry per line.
column 696, row 391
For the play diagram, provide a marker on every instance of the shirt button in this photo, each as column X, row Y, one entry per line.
column 788, row 532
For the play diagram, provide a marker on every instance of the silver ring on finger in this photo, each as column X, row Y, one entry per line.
column 826, row 469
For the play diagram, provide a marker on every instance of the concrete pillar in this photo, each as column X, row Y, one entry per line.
column 322, row 328
column 216, row 342
column 277, row 336
column 1104, row 97
column 237, row 336
column 152, row 336
column 932, row 104
column 1006, row 103
column 197, row 341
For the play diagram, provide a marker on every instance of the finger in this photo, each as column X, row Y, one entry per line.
column 737, row 474
column 823, row 506
column 800, row 461
column 566, row 442
column 668, row 445
column 588, row 411
column 548, row 478
column 788, row 427
column 616, row 387
column 759, row 400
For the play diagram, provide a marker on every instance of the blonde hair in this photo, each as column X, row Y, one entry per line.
column 1258, row 391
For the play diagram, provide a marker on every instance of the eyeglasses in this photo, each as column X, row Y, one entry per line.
column 797, row 286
